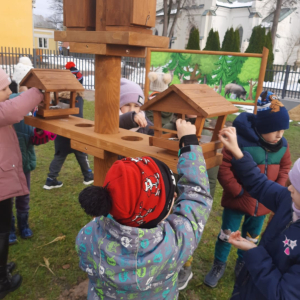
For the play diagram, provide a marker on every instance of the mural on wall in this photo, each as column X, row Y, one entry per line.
column 234, row 77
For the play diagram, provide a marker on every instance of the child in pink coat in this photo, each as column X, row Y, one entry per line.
column 12, row 178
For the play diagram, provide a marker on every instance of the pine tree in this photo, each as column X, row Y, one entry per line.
column 194, row 40
column 235, row 64
column 257, row 40
column 216, row 42
column 209, row 40
column 268, row 44
column 237, row 41
column 226, row 41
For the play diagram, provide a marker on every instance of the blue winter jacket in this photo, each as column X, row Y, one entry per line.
column 24, row 134
column 131, row 263
column 271, row 270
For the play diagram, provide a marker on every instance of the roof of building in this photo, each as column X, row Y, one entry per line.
column 285, row 12
column 234, row 4
column 160, row 12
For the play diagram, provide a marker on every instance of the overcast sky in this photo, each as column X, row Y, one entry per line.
column 42, row 8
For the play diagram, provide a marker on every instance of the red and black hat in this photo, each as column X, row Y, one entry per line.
column 140, row 192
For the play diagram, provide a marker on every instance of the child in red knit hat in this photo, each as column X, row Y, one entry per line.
column 137, row 243
column 72, row 67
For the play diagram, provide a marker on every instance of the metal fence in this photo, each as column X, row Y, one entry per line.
column 132, row 68
column 283, row 80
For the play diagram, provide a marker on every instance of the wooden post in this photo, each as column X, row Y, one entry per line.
column 219, row 125
column 107, row 94
column 107, row 102
column 262, row 73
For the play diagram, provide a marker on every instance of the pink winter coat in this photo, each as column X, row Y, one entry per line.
column 12, row 178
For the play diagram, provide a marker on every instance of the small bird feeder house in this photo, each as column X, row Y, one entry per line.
column 54, row 81
column 189, row 99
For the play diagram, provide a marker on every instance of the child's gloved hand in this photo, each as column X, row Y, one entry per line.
column 184, row 128
column 140, row 120
column 229, row 138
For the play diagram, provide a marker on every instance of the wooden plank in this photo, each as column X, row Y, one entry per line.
column 75, row 11
column 109, row 50
column 219, row 125
column 262, row 73
column 57, row 112
column 157, row 120
column 214, row 161
column 47, row 100
column 107, row 94
column 72, row 99
column 163, row 129
column 147, row 81
column 199, row 125
column 112, row 37
column 100, row 15
column 164, row 143
column 108, row 142
column 143, row 13
column 118, row 12
column 211, row 146
column 138, row 29
column 88, row 149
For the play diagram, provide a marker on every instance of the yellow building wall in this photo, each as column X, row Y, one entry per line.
column 47, row 34
column 16, row 28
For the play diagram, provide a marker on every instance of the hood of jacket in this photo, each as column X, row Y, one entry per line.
column 245, row 128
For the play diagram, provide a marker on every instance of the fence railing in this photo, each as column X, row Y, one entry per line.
column 282, row 80
column 132, row 68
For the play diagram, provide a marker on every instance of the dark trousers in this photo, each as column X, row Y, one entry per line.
column 22, row 202
column 5, row 222
column 59, row 159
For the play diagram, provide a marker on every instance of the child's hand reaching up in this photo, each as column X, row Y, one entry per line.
column 184, row 128
column 239, row 242
column 140, row 119
column 228, row 137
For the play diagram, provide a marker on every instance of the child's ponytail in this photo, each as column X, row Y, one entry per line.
column 96, row 201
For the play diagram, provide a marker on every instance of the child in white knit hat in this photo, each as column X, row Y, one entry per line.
column 159, row 82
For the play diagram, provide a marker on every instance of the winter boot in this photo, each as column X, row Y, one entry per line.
column 238, row 267
column 215, row 274
column 8, row 283
column 88, row 179
column 184, row 276
column 52, row 183
column 23, row 226
column 12, row 234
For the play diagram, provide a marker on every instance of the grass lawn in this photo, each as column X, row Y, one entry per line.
column 57, row 212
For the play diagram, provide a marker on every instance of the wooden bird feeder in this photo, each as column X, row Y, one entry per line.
column 124, row 15
column 54, row 81
column 191, row 99
column 112, row 29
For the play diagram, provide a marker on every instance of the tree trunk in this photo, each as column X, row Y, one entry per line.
column 250, row 97
column 175, row 19
column 275, row 21
column 205, row 79
column 166, row 23
column 220, row 86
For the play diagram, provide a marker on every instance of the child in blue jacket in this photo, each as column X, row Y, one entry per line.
column 272, row 268
column 136, row 245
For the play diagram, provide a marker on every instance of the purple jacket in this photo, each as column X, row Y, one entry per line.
column 12, row 178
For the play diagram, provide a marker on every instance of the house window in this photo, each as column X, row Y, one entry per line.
column 43, row 43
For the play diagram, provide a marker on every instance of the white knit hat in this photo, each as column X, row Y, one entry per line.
column 21, row 69
column 4, row 79
column 159, row 82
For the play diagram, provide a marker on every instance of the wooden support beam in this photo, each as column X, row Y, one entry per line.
column 88, row 149
column 110, row 50
column 219, row 125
